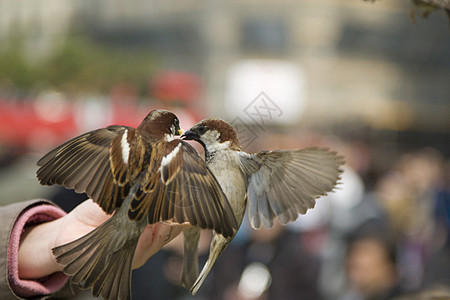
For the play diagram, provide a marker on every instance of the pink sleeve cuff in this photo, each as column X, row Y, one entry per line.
column 42, row 286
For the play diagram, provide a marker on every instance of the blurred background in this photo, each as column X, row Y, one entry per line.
column 369, row 80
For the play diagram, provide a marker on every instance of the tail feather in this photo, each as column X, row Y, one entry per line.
column 89, row 271
column 102, row 259
column 218, row 244
column 190, row 257
column 67, row 253
column 119, row 283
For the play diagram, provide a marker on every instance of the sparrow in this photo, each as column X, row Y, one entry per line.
column 144, row 176
column 276, row 184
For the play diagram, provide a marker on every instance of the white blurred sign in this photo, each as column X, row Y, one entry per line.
column 265, row 92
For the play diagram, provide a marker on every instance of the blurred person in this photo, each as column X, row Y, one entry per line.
column 267, row 264
column 350, row 207
column 394, row 194
column 30, row 229
column 438, row 263
column 408, row 193
column 371, row 265
column 418, row 177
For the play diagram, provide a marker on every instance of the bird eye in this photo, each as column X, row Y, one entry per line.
column 174, row 128
column 202, row 129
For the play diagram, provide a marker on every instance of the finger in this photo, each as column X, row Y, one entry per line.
column 153, row 239
column 90, row 213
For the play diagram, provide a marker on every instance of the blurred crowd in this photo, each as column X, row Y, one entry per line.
column 384, row 233
column 67, row 67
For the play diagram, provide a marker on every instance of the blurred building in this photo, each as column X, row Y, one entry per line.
column 363, row 62
column 41, row 24
column 360, row 62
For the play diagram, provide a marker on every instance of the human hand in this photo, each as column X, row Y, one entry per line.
column 35, row 252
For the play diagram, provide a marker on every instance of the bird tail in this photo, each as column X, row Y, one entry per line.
column 101, row 260
column 190, row 259
column 218, row 244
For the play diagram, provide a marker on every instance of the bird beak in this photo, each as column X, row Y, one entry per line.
column 190, row 135
column 180, row 131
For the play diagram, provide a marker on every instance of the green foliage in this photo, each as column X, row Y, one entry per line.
column 14, row 67
column 77, row 65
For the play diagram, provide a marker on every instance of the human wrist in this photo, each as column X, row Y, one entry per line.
column 31, row 217
column 35, row 259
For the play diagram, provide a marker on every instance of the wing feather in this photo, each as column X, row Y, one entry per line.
column 284, row 184
column 83, row 164
column 87, row 173
column 100, row 178
column 252, row 206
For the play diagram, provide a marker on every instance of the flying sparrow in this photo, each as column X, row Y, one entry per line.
column 276, row 184
column 144, row 176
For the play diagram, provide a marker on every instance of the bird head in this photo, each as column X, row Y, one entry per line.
column 160, row 123
column 213, row 134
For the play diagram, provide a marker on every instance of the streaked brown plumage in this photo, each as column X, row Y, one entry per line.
column 277, row 184
column 145, row 177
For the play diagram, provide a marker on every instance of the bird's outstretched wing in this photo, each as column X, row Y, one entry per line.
column 85, row 165
column 285, row 184
column 184, row 190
